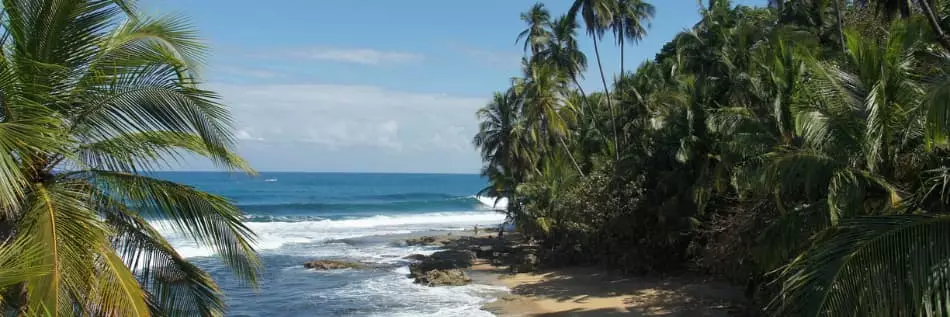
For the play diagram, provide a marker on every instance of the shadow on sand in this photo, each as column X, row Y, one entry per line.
column 630, row 296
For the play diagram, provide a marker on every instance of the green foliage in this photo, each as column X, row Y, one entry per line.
column 92, row 96
column 799, row 148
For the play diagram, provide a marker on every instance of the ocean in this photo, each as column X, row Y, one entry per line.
column 300, row 217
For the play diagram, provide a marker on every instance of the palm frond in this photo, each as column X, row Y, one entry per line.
column 209, row 220
column 61, row 222
column 16, row 258
column 141, row 151
column 872, row 266
column 175, row 286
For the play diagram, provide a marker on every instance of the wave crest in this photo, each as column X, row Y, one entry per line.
column 275, row 234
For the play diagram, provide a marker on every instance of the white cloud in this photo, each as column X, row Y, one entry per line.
column 248, row 72
column 241, row 134
column 363, row 56
column 421, row 130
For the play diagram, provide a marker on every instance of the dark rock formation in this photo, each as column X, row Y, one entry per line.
column 415, row 257
column 333, row 265
column 443, row 268
column 450, row 277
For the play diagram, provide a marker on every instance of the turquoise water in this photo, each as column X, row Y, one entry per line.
column 304, row 216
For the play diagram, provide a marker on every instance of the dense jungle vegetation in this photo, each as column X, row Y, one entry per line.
column 799, row 148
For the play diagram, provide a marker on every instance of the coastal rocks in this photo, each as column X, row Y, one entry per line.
column 450, row 277
column 443, row 268
column 424, row 241
column 333, row 265
column 415, row 257
column 443, row 260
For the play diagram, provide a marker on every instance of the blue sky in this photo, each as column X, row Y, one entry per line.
column 375, row 85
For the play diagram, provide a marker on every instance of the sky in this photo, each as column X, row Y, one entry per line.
column 375, row 85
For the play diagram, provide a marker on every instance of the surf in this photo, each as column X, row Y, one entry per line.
column 273, row 235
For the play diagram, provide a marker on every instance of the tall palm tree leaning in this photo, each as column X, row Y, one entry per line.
column 631, row 22
column 91, row 98
column 598, row 15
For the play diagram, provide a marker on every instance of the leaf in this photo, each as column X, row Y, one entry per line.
column 208, row 219
column 872, row 266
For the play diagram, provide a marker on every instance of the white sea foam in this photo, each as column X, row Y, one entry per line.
column 493, row 202
column 388, row 290
column 274, row 235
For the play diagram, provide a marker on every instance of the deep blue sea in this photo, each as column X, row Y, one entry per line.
column 305, row 216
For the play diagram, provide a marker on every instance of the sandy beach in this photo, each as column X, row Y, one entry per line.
column 591, row 292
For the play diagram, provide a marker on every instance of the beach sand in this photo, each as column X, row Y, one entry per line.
column 593, row 292
column 590, row 292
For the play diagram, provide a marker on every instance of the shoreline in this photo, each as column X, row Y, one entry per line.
column 592, row 292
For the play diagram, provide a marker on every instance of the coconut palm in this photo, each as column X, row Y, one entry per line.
column 545, row 109
column 564, row 53
column 91, row 100
column 631, row 21
column 502, row 138
column 598, row 15
column 538, row 35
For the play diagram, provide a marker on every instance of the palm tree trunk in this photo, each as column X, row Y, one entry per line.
column 840, row 26
column 610, row 104
column 570, row 155
column 620, row 34
column 935, row 24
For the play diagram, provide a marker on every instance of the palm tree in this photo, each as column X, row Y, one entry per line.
column 598, row 15
column 839, row 23
column 501, row 136
column 631, row 22
column 564, row 53
column 881, row 196
column 91, row 99
column 504, row 147
column 537, row 36
column 545, row 108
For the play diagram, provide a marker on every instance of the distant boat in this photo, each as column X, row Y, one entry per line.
column 269, row 180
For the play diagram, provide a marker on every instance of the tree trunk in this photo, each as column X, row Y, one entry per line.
column 610, row 104
column 840, row 25
column 935, row 24
column 570, row 155
column 620, row 34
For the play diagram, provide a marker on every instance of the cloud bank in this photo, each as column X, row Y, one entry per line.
column 363, row 56
column 352, row 128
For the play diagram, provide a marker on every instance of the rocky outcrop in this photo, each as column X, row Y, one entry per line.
column 443, row 268
column 450, row 277
column 423, row 241
column 415, row 257
column 333, row 265
column 443, row 260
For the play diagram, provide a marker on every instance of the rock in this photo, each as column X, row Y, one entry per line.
column 483, row 251
column 427, row 240
column 440, row 268
column 443, row 260
column 522, row 262
column 450, row 277
column 415, row 257
column 332, row 265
